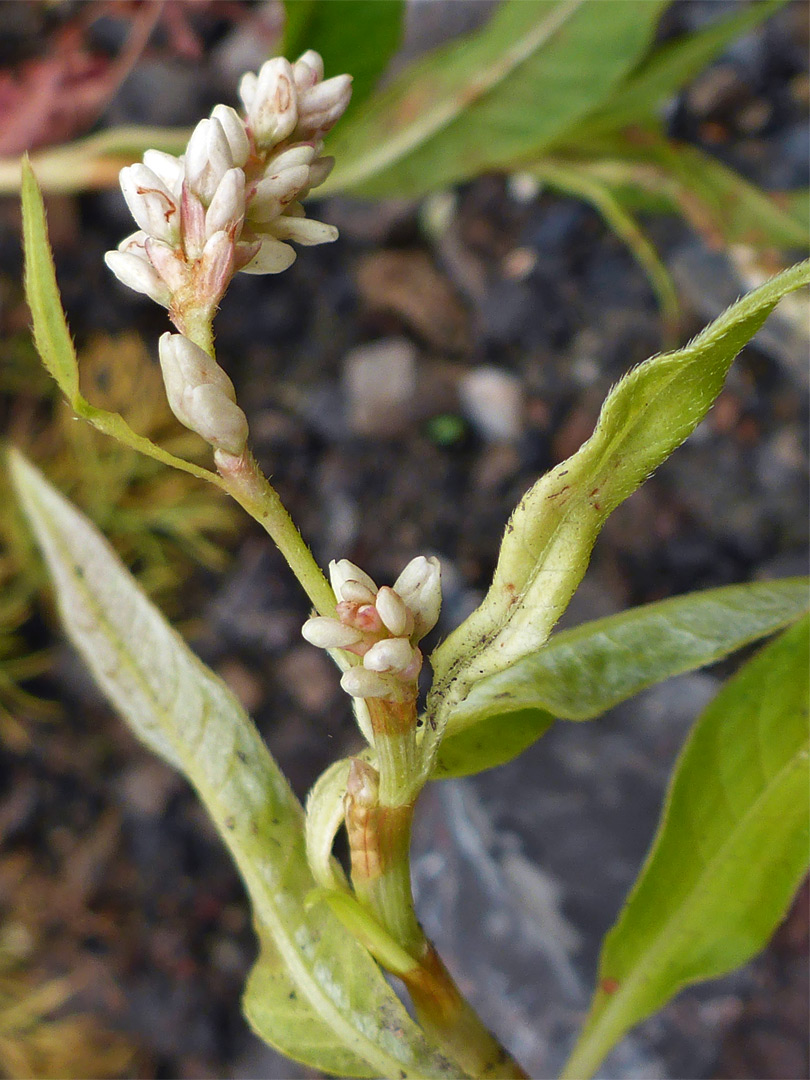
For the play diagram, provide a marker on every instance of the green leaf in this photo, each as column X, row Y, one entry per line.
column 316, row 994
column 53, row 340
column 549, row 537
column 491, row 98
column 668, row 69
column 358, row 37
column 730, row 851
column 493, row 740
column 51, row 332
column 582, row 672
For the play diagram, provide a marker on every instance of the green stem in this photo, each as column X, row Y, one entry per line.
column 245, row 482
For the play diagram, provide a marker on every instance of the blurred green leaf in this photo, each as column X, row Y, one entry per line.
column 491, row 98
column 549, row 537
column 731, row 849
column 580, row 673
column 668, row 69
column 315, row 993
column 358, row 37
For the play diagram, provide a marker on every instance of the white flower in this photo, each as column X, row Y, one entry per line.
column 234, row 129
column 208, row 157
column 271, row 102
column 154, row 207
column 420, row 586
column 139, row 274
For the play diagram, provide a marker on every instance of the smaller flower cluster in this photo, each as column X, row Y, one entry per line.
column 382, row 626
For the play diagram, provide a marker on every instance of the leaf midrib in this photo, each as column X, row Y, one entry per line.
column 443, row 113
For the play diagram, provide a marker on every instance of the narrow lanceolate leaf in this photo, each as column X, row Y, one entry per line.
column 53, row 340
column 584, row 671
column 492, row 98
column 316, row 994
column 549, row 537
column 51, row 332
column 731, row 849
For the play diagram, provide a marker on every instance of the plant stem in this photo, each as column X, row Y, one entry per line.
column 379, row 836
column 245, row 482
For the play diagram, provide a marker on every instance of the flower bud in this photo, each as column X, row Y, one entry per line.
column 360, row 682
column 235, row 133
column 216, row 268
column 275, row 192
column 307, row 70
column 150, row 202
column 343, row 571
column 167, row 167
column 272, row 111
column 420, row 586
column 227, row 209
column 393, row 612
column 303, row 230
column 391, row 654
column 271, row 258
column 328, row 633
column 201, row 395
column 139, row 274
column 169, row 262
column 208, row 158
column 320, row 107
column 319, row 170
column 354, row 592
column 247, row 89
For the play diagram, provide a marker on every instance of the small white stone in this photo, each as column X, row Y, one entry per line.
column 492, row 400
column 380, row 386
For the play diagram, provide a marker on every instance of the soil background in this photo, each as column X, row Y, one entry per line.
column 404, row 388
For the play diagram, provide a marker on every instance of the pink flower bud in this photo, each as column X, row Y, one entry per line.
column 235, row 133
column 193, row 223
column 139, row 274
column 150, row 202
column 169, row 262
column 216, row 268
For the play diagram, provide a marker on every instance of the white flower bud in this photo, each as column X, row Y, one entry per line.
column 329, row 633
column 303, row 230
column 201, row 395
column 271, row 258
column 275, row 192
column 247, row 89
column 320, row 107
column 394, row 612
column 354, row 592
column 343, row 571
column 169, row 262
column 138, row 274
column 235, row 132
column 135, row 244
column 420, row 586
column 227, row 209
column 319, row 170
column 166, row 166
column 273, row 111
column 208, row 158
column 391, row 654
column 307, row 70
column 299, row 154
column 150, row 202
column 360, row 682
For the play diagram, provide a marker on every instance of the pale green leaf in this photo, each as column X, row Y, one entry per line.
column 491, row 98
column 317, row 995
column 582, row 672
column 730, row 851
column 669, row 68
column 51, row 333
column 493, row 740
column 549, row 537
